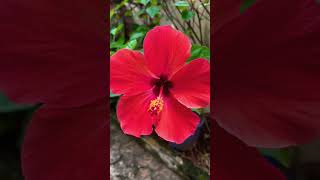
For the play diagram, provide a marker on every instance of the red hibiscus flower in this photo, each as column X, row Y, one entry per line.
column 158, row 86
column 266, row 83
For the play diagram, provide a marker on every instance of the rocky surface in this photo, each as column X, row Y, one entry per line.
column 130, row 161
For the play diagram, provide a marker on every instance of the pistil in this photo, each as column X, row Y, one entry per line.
column 156, row 105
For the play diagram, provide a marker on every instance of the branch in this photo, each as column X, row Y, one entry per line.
column 199, row 20
column 189, row 25
column 205, row 8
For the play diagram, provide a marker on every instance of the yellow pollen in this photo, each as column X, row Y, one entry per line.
column 155, row 106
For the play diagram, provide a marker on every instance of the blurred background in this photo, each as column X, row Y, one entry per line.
column 14, row 118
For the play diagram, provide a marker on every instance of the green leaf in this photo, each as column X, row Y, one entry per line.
column 202, row 177
column 114, row 12
column 284, row 155
column 14, row 117
column 6, row 106
column 117, row 44
column 246, row 4
column 144, row 2
column 116, row 30
column 140, row 13
column 187, row 15
column 137, row 35
column 122, row 4
column 113, row 95
column 153, row 11
column 4, row 101
column 201, row 111
column 128, row 13
column 132, row 44
column 198, row 51
column 111, row 13
column 141, row 28
column 182, row 4
column 154, row 2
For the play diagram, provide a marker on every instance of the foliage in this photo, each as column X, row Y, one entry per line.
column 130, row 21
column 198, row 51
column 284, row 156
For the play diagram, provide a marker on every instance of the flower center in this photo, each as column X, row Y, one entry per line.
column 161, row 88
column 161, row 83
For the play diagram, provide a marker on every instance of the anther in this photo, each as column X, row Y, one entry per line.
column 155, row 106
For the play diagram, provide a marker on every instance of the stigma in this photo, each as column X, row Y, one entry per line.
column 156, row 106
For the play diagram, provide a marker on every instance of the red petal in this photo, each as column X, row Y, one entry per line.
column 267, row 81
column 177, row 122
column 232, row 159
column 66, row 143
column 132, row 112
column 44, row 62
column 191, row 84
column 166, row 50
column 128, row 73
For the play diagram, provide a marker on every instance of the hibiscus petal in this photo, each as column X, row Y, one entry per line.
column 66, row 143
column 191, row 84
column 266, row 80
column 232, row 159
column 132, row 112
column 177, row 122
column 128, row 73
column 165, row 50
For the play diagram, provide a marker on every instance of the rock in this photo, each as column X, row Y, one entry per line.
column 130, row 161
